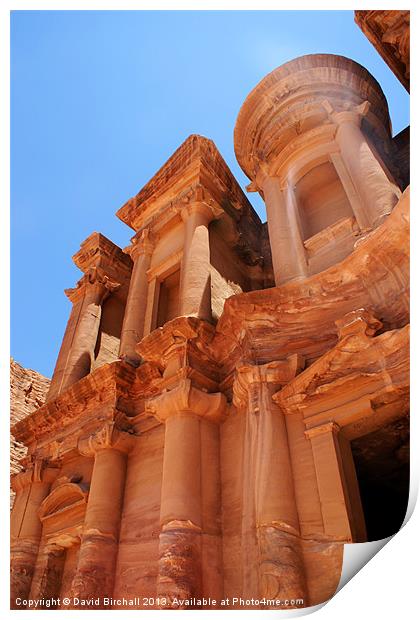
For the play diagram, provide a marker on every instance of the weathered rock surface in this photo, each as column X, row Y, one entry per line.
column 28, row 391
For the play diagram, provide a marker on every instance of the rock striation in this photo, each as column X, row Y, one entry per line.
column 28, row 391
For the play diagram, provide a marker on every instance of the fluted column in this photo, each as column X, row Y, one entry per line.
column 186, row 412
column 95, row 572
column 78, row 348
column 287, row 249
column 376, row 191
column 269, row 506
column 31, row 487
column 135, row 311
column 195, row 288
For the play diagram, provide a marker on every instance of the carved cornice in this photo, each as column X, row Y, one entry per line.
column 158, row 346
column 116, row 385
column 187, row 399
column 98, row 251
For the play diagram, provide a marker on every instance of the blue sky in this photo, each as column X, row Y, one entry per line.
column 100, row 100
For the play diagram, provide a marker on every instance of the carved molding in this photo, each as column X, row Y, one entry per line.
column 98, row 391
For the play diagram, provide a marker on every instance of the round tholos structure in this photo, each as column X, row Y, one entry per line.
column 313, row 137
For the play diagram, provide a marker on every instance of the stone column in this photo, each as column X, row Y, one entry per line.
column 95, row 572
column 180, row 541
column 31, row 487
column 135, row 310
column 46, row 583
column 335, row 504
column 269, row 496
column 377, row 192
column 195, row 286
column 78, row 349
column 287, row 249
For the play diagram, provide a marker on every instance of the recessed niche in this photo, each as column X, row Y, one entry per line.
column 168, row 302
column 321, row 200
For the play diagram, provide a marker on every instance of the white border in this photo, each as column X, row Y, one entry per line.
column 387, row 586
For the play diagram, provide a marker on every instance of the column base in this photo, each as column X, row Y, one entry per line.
column 22, row 567
column 179, row 577
column 281, row 569
column 95, row 574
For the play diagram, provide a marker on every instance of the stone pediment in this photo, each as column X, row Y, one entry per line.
column 196, row 163
column 65, row 497
column 358, row 383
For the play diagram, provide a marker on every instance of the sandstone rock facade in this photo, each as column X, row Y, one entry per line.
column 389, row 32
column 230, row 402
column 28, row 391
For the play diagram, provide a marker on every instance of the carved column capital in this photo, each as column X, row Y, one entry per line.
column 142, row 244
column 21, row 480
column 36, row 470
column 93, row 287
column 207, row 212
column 353, row 114
column 276, row 373
column 185, row 398
column 108, row 436
column 198, row 202
column 328, row 427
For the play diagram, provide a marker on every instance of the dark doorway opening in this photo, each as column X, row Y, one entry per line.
column 382, row 464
